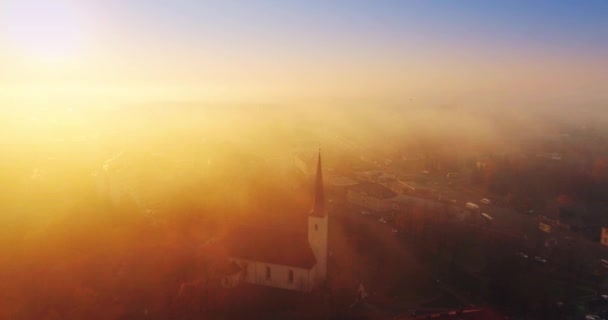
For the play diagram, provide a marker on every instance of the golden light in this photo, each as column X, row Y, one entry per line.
column 46, row 30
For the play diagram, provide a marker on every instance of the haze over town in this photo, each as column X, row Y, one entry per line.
column 303, row 160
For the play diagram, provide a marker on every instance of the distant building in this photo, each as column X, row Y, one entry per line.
column 412, row 163
column 387, row 180
column 398, row 186
column 369, row 176
column 336, row 181
column 339, row 185
column 553, row 156
column 274, row 258
column 452, row 175
column 371, row 196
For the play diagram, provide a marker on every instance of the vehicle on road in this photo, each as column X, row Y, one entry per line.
column 382, row 220
column 452, row 175
column 604, row 263
column 487, row 216
column 539, row 259
column 522, row 255
column 471, row 206
column 486, row 201
column 365, row 213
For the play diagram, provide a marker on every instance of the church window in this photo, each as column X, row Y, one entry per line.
column 290, row 276
column 268, row 273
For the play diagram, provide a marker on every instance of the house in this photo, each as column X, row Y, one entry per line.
column 396, row 185
column 553, row 156
column 338, row 185
column 280, row 259
column 369, row 176
column 401, row 187
column 371, row 196
column 336, row 181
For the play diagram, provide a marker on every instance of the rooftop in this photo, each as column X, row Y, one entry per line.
column 271, row 246
column 341, row 181
column 373, row 190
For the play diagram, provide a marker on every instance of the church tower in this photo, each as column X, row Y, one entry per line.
column 317, row 227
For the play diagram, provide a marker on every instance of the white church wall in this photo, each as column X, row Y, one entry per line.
column 317, row 238
column 255, row 272
column 231, row 281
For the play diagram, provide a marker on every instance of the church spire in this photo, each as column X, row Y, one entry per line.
column 318, row 208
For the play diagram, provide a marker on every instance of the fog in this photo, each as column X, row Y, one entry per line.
column 102, row 202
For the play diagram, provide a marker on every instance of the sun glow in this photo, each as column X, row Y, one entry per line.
column 45, row 30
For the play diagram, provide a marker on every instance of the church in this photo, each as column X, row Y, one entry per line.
column 286, row 260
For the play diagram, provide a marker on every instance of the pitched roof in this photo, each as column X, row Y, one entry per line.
column 318, row 208
column 341, row 181
column 229, row 268
column 271, row 246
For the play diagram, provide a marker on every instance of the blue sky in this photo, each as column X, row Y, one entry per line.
column 346, row 48
column 515, row 23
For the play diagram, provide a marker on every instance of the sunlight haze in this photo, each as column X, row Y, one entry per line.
column 283, row 51
column 303, row 159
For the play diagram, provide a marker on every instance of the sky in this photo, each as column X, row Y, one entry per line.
column 284, row 51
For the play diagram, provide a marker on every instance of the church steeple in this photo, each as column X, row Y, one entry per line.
column 317, row 228
column 318, row 208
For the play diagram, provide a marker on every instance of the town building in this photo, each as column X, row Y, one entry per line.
column 400, row 187
column 369, row 176
column 371, row 196
column 287, row 260
column 338, row 186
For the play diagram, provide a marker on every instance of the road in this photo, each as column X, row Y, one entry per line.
column 394, row 276
column 521, row 229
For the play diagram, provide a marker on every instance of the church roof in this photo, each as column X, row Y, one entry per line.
column 229, row 269
column 271, row 246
